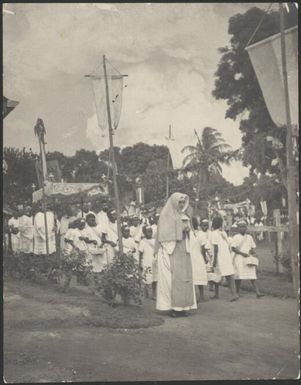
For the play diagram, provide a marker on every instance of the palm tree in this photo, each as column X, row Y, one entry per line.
column 205, row 158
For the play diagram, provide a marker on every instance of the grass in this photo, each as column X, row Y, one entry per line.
column 97, row 312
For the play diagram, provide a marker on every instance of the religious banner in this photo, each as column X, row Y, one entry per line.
column 266, row 59
column 115, row 90
column 73, row 192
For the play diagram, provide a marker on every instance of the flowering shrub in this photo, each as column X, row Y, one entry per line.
column 124, row 277
column 76, row 264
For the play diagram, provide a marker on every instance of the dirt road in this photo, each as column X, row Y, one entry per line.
column 46, row 340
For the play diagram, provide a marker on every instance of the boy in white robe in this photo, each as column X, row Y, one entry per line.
column 14, row 234
column 243, row 246
column 199, row 271
column 128, row 243
column 222, row 259
column 148, row 260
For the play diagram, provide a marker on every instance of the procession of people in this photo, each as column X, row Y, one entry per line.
column 180, row 254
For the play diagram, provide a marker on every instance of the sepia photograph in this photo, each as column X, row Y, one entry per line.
column 150, row 216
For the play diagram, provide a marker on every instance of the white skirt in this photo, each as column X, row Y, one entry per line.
column 199, row 272
column 242, row 270
column 164, row 285
column 225, row 264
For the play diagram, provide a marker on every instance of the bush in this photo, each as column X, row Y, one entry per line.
column 76, row 264
column 285, row 260
column 123, row 277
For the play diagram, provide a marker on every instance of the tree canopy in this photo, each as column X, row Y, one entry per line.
column 236, row 82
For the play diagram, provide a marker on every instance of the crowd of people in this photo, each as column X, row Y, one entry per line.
column 180, row 254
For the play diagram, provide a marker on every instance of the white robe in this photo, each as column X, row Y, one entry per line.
column 40, row 233
column 147, row 247
column 97, row 254
column 15, row 238
column 129, row 245
column 26, row 234
column 199, row 271
column 102, row 218
column 243, row 243
column 110, row 229
column 136, row 233
column 164, row 279
column 64, row 225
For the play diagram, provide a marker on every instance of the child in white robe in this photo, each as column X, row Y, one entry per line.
column 128, row 243
column 199, row 271
column 222, row 259
column 148, row 261
column 243, row 246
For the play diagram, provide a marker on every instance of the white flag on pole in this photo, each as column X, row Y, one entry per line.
column 265, row 56
column 115, row 83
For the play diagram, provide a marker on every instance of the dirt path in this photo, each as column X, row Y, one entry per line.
column 46, row 341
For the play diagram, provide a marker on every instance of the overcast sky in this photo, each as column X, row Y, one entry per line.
column 169, row 52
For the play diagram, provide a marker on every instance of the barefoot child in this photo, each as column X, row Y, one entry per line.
column 128, row 242
column 147, row 259
column 70, row 253
column 222, row 259
column 243, row 247
column 198, row 259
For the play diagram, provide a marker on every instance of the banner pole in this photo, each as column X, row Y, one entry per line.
column 291, row 181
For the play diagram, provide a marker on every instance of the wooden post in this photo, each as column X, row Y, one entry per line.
column 278, row 241
column 44, row 198
column 168, row 165
column 113, row 159
column 199, row 178
column 82, row 204
column 291, row 181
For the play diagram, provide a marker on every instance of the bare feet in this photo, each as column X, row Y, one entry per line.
column 233, row 299
column 259, row 295
column 202, row 300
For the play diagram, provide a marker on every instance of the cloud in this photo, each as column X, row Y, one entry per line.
column 168, row 50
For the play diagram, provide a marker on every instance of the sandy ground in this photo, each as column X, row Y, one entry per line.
column 47, row 339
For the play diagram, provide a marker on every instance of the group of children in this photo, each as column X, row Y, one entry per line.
column 216, row 256
column 98, row 241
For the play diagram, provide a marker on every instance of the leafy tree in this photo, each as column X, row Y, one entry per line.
column 206, row 156
column 236, row 82
column 20, row 176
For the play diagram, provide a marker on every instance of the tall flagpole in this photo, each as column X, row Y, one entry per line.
column 199, row 181
column 168, row 163
column 44, row 177
column 291, row 181
column 116, row 193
